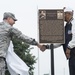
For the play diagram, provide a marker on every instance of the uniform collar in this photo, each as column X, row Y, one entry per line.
column 70, row 21
column 6, row 23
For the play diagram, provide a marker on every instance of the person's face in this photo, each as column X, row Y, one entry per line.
column 11, row 21
column 67, row 16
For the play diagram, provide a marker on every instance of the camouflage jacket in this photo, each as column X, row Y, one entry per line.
column 6, row 33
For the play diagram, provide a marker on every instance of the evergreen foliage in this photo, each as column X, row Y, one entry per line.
column 23, row 51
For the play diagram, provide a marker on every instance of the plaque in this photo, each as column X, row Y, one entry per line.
column 51, row 26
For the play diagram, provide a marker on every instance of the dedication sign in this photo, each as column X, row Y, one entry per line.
column 51, row 26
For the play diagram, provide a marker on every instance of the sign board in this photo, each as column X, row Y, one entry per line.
column 51, row 26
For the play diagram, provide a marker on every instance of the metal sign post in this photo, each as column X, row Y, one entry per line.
column 52, row 59
column 51, row 29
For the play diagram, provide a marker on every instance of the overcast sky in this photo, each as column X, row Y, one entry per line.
column 26, row 13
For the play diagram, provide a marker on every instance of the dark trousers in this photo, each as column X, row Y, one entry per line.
column 72, row 66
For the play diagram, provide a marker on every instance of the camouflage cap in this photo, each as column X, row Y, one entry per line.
column 11, row 15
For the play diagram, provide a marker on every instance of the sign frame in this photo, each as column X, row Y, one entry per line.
column 52, row 17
